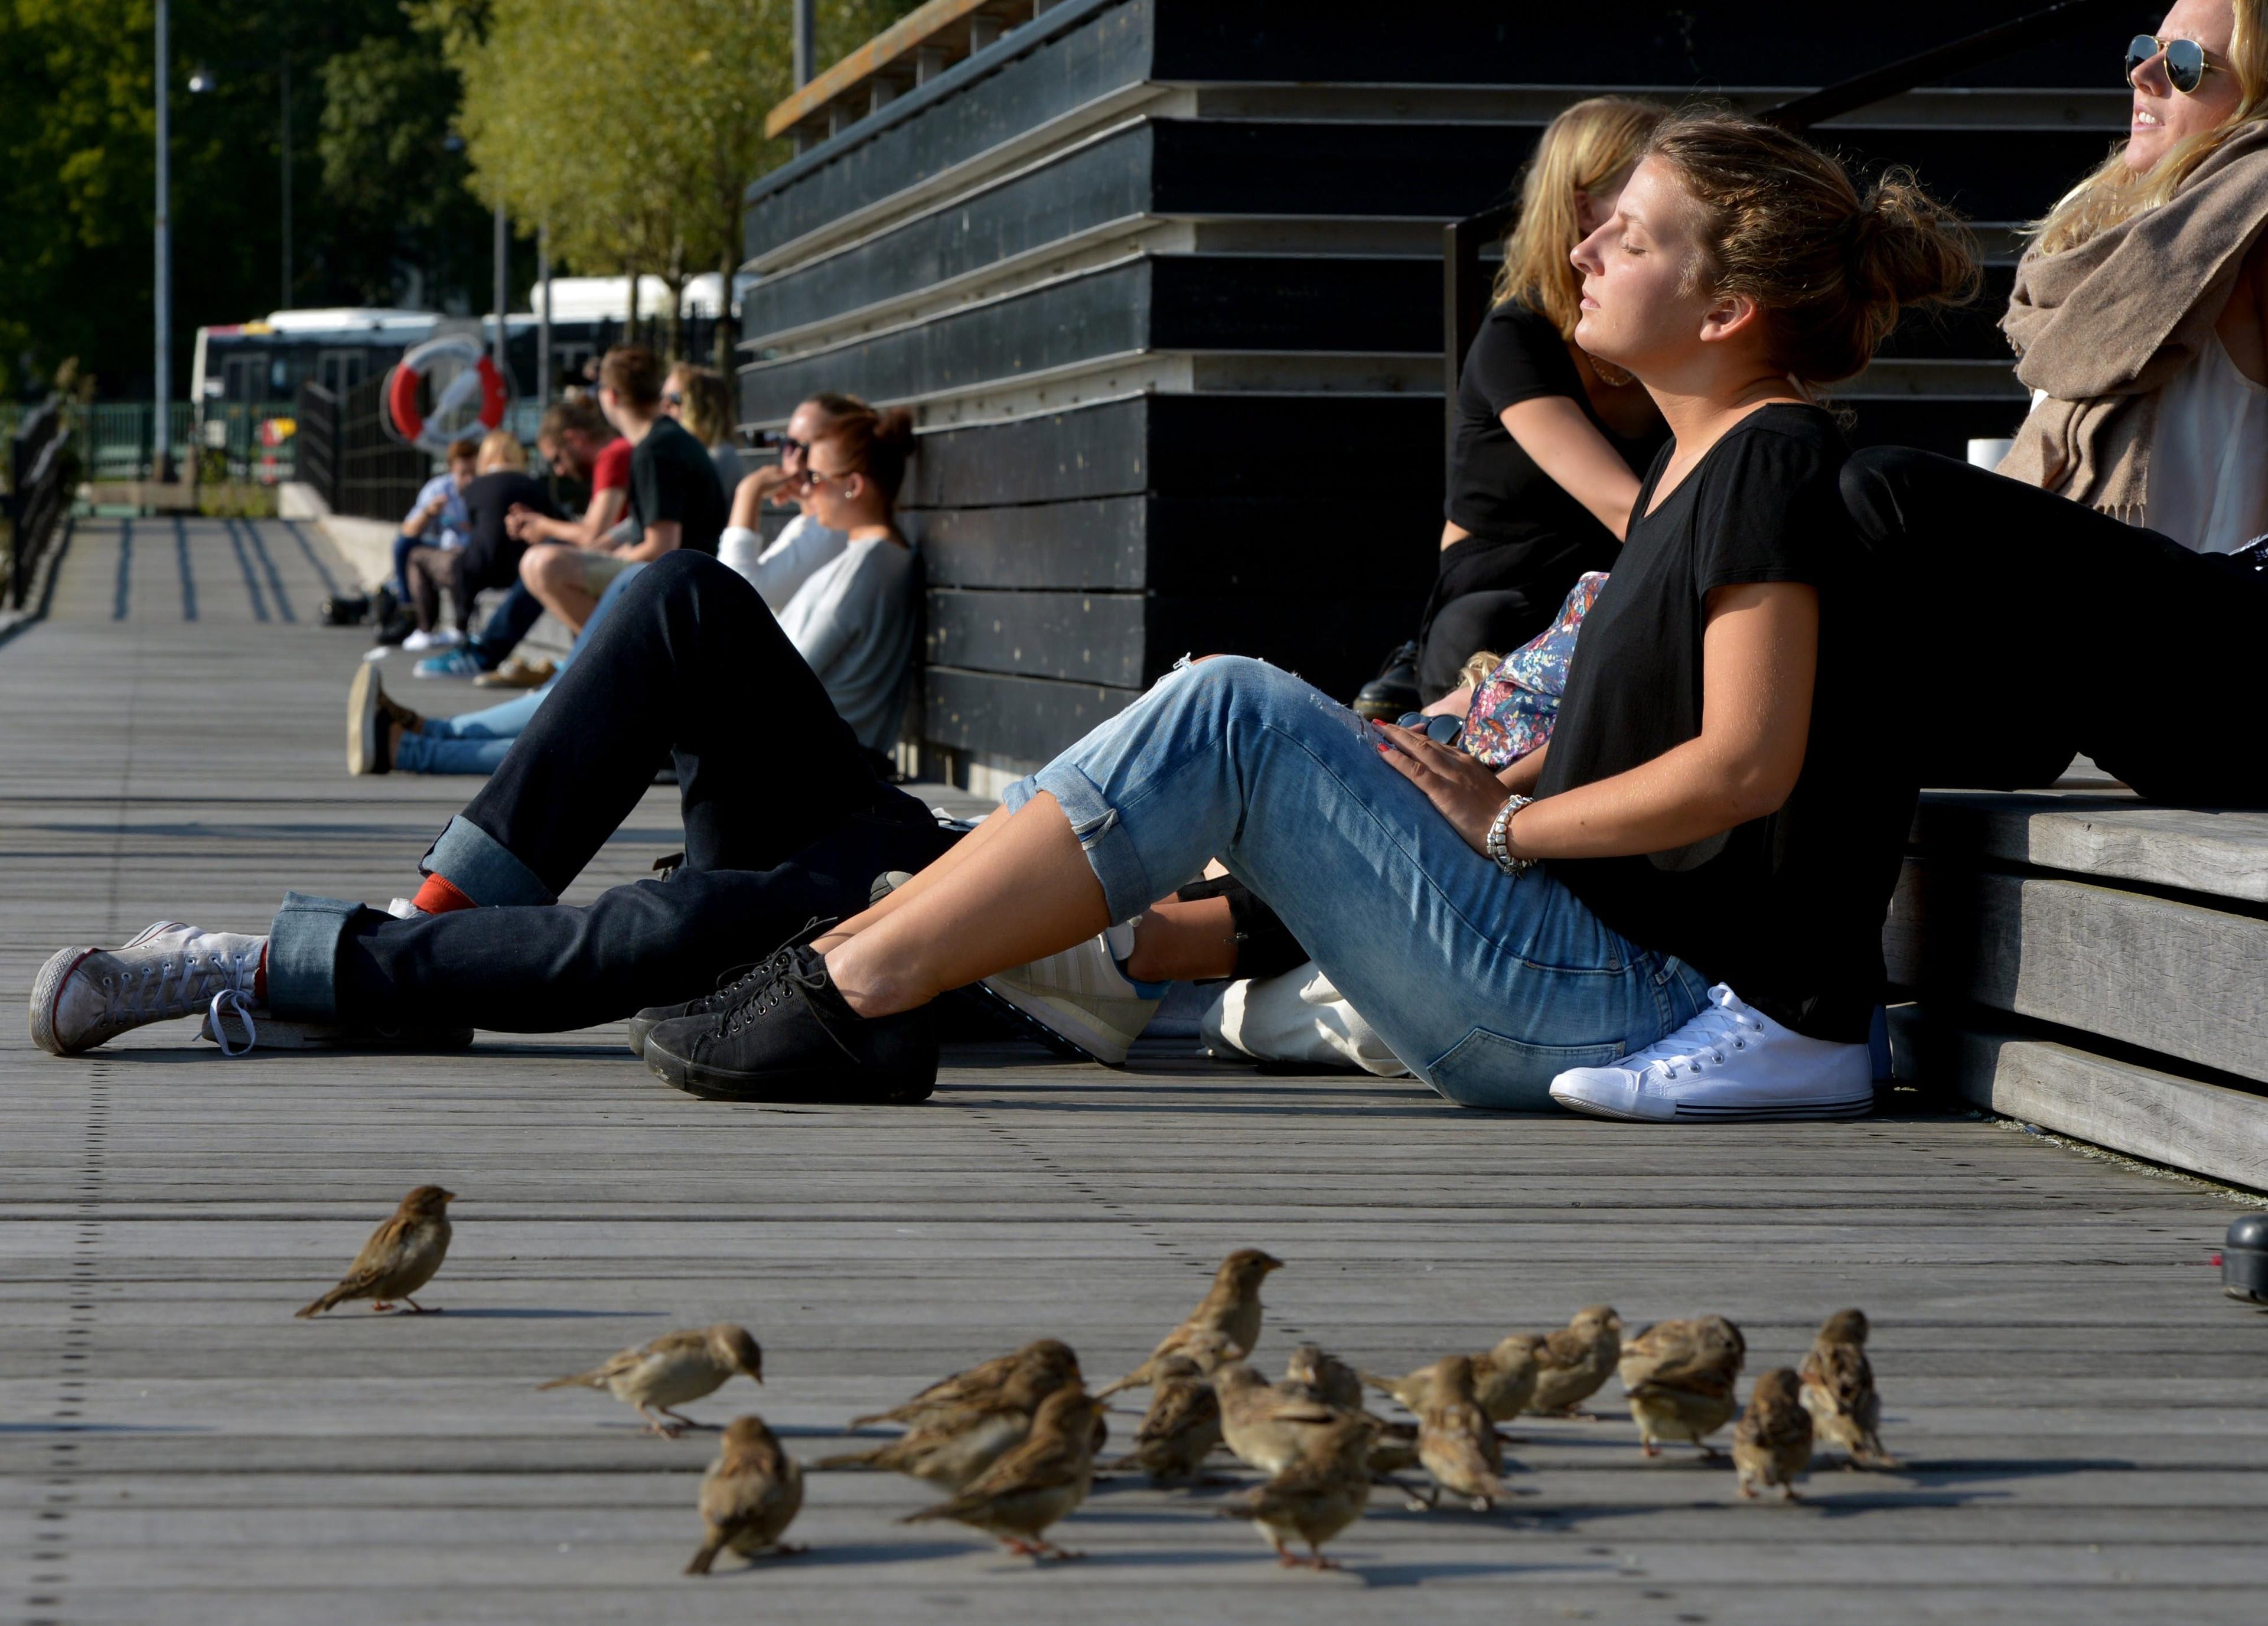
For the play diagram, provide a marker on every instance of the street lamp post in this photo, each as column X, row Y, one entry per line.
column 161, row 467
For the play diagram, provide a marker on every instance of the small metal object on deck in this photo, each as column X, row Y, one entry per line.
column 2245, row 1259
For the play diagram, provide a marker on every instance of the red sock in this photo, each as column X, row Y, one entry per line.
column 260, row 977
column 437, row 896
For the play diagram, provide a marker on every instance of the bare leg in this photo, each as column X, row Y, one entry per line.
column 554, row 574
column 959, row 853
column 1176, row 941
column 1026, row 893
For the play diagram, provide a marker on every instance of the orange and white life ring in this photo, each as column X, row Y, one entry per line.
column 454, row 415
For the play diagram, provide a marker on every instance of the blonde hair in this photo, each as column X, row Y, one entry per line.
column 1828, row 268
column 500, row 448
column 2114, row 193
column 1586, row 146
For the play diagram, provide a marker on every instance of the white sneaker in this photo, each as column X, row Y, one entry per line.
column 86, row 996
column 1081, row 997
column 1730, row 1062
column 439, row 638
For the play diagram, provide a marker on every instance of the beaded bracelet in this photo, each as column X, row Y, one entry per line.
column 1498, row 834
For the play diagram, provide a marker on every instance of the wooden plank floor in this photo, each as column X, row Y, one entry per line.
column 2082, row 1412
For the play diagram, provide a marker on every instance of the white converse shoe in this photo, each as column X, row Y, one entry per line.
column 1730, row 1062
column 1081, row 997
column 1077, row 1000
column 86, row 996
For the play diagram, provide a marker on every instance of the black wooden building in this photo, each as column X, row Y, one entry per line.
column 1162, row 282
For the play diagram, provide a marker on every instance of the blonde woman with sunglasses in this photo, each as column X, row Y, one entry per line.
column 2138, row 310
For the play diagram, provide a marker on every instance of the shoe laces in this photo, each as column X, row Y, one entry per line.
column 178, row 982
column 231, row 1002
column 1705, row 1040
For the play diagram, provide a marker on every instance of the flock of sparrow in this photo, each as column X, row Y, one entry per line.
column 1014, row 1439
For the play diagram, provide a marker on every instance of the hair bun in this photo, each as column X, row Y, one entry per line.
column 1908, row 248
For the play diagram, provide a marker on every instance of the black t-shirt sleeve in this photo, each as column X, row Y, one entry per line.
column 658, row 487
column 1770, row 510
column 1518, row 356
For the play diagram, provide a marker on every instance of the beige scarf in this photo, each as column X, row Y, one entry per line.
column 2103, row 328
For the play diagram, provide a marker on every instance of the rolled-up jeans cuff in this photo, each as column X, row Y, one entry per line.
column 303, row 955
column 483, row 868
column 1102, row 833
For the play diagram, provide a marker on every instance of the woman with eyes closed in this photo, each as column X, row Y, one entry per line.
column 1705, row 818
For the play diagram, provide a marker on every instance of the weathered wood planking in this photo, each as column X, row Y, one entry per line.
column 2179, row 978
column 2108, row 837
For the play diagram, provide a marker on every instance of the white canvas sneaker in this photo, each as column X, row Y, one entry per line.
column 1081, row 997
column 1077, row 1000
column 1730, row 1062
column 86, row 996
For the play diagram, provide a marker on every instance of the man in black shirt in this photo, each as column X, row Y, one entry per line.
column 674, row 501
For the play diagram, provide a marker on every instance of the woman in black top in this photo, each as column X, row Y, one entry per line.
column 1549, row 445
column 1704, row 817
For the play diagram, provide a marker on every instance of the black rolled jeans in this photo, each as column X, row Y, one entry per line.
column 2028, row 628
column 784, row 821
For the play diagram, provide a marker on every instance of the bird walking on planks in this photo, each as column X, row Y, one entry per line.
column 1230, row 1310
column 1771, row 1442
column 674, row 1369
column 1036, row 1485
column 1839, row 1391
column 750, row 1494
column 1679, row 1377
column 400, row 1256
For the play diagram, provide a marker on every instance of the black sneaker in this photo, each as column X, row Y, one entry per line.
column 791, row 1037
column 1394, row 690
column 734, row 986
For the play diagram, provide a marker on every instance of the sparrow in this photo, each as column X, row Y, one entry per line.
column 1575, row 1361
column 1268, row 1425
column 1325, row 1377
column 1680, row 1378
column 1231, row 1310
column 1035, row 1484
column 1183, row 1425
column 1318, row 1494
column 400, row 1256
column 674, row 1369
column 1393, row 1450
column 1839, row 1391
column 1456, row 1442
column 750, row 1494
column 1022, row 1377
column 949, row 1453
column 1504, row 1379
column 1771, row 1442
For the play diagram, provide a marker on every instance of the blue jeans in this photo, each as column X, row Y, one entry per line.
column 1484, row 985
column 475, row 742
column 402, row 545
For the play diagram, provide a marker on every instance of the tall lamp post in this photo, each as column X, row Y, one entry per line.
column 161, row 467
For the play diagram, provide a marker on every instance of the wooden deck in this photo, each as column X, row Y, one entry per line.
column 2081, row 1410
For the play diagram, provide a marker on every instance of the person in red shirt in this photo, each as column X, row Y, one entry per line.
column 551, row 569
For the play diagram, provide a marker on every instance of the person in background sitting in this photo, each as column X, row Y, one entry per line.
column 701, row 399
column 440, row 510
column 674, row 500
column 804, row 545
column 1550, row 443
column 500, row 479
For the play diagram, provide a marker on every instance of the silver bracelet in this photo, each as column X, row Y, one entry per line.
column 1499, row 836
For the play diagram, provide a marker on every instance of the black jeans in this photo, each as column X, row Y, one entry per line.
column 2030, row 627
column 784, row 821
column 1495, row 596
column 506, row 625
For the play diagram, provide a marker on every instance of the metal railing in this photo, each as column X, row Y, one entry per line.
column 376, row 477
column 39, row 478
column 317, row 410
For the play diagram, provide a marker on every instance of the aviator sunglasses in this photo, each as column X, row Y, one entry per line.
column 2185, row 62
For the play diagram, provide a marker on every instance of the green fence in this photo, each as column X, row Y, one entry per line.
column 115, row 439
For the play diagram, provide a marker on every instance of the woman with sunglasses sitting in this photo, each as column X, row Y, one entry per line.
column 1550, row 443
column 2139, row 308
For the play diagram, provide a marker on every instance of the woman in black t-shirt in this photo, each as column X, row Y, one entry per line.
column 1703, row 824
column 1549, row 444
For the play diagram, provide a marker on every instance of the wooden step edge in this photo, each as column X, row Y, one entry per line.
column 2209, row 1129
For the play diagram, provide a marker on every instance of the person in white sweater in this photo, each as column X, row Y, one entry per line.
column 840, row 579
